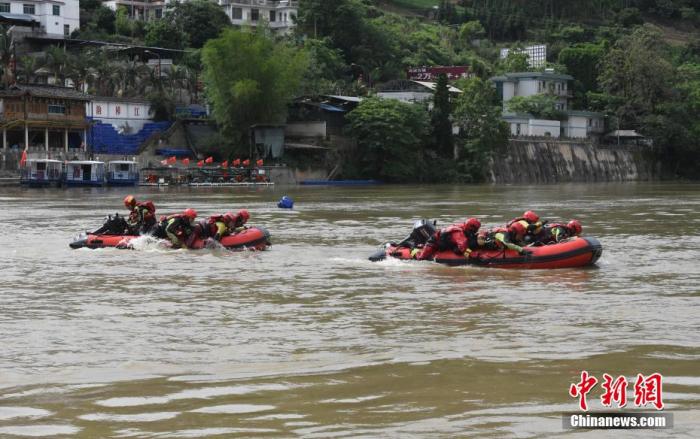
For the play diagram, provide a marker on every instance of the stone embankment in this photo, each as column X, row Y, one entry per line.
column 556, row 161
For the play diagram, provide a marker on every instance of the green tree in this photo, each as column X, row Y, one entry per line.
column 440, row 120
column 471, row 30
column 199, row 20
column 581, row 61
column 389, row 135
column 122, row 24
column 163, row 33
column 482, row 132
column 327, row 70
column 250, row 79
column 541, row 106
column 637, row 71
column 515, row 62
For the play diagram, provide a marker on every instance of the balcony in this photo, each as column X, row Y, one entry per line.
column 271, row 4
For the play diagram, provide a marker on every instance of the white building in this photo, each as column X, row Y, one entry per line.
column 140, row 10
column 536, row 55
column 127, row 115
column 533, row 83
column 576, row 124
column 55, row 17
column 278, row 14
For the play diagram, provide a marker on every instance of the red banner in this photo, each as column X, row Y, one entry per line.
column 259, row 162
column 237, row 162
column 246, row 162
column 23, row 160
column 200, row 163
column 224, row 164
column 431, row 73
column 186, row 161
column 172, row 160
column 209, row 160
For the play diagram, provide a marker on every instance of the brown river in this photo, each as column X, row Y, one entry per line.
column 310, row 339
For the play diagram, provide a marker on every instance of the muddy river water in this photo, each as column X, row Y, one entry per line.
column 310, row 339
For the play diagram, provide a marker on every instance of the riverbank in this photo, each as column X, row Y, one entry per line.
column 557, row 161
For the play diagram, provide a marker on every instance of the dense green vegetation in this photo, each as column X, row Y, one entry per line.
column 635, row 60
column 638, row 61
column 250, row 78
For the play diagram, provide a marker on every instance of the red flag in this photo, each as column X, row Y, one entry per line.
column 186, row 161
column 164, row 162
column 23, row 160
column 209, row 160
column 246, row 162
column 259, row 162
column 224, row 164
column 200, row 163
column 237, row 162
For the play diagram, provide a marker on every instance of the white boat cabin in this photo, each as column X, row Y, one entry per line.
column 85, row 172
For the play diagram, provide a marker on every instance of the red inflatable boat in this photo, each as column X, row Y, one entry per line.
column 254, row 238
column 575, row 252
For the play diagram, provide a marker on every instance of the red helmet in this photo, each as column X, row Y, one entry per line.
column 575, row 227
column 517, row 228
column 531, row 216
column 129, row 201
column 190, row 214
column 244, row 215
column 472, row 224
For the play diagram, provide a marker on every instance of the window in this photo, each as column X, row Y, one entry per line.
column 159, row 13
column 118, row 110
column 57, row 109
column 254, row 14
column 136, row 111
column 56, row 10
column 66, row 30
column 98, row 109
column 4, row 7
column 29, row 9
column 272, row 16
column 236, row 13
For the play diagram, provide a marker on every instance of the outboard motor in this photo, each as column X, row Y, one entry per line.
column 114, row 225
column 422, row 231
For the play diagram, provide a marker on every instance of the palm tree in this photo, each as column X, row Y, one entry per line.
column 80, row 69
column 7, row 55
column 27, row 67
column 55, row 59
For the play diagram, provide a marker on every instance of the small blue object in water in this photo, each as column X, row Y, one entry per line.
column 286, row 203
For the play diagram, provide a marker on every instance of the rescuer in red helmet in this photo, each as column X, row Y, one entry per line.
column 460, row 238
column 142, row 215
column 218, row 226
column 554, row 233
column 500, row 238
column 178, row 227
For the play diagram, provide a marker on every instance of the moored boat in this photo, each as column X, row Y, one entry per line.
column 122, row 173
column 41, row 173
column 84, row 173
